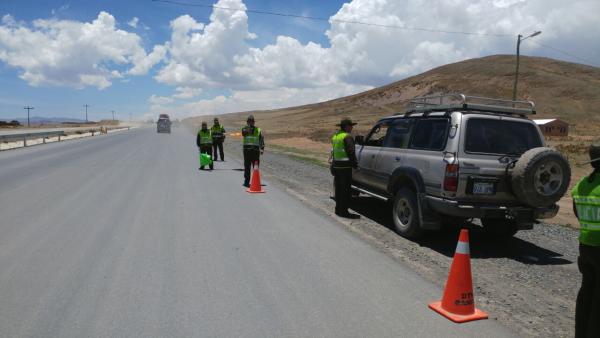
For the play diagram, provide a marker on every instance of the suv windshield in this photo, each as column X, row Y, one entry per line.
column 492, row 136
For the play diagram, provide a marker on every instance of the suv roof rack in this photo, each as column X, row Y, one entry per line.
column 452, row 102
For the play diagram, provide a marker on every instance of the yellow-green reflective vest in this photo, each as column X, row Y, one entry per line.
column 337, row 146
column 217, row 131
column 586, row 196
column 253, row 140
column 205, row 136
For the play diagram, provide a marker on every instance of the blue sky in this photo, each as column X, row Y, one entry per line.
column 131, row 97
column 239, row 61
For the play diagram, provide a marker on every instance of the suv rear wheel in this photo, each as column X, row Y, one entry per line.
column 405, row 212
column 500, row 228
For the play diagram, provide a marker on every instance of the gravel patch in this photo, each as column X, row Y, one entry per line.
column 529, row 283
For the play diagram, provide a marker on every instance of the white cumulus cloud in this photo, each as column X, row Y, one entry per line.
column 72, row 53
column 204, row 55
column 218, row 54
column 133, row 22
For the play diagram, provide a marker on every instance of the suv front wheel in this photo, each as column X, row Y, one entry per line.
column 405, row 212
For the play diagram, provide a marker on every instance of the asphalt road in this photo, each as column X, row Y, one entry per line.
column 123, row 236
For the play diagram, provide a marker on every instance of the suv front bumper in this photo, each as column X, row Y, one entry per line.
column 469, row 210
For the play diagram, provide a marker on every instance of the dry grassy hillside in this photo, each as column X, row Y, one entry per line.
column 560, row 89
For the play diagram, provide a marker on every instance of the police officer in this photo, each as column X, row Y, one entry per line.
column 254, row 146
column 586, row 201
column 204, row 142
column 218, row 136
column 343, row 159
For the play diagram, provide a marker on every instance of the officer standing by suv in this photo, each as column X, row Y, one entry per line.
column 586, row 201
column 218, row 137
column 204, row 142
column 343, row 160
column 254, row 146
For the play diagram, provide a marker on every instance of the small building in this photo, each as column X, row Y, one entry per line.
column 553, row 127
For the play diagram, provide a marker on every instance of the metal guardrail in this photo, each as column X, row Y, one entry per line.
column 45, row 135
column 28, row 136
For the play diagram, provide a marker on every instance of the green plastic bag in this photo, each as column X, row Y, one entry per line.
column 205, row 159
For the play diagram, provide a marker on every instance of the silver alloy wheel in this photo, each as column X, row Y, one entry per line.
column 548, row 178
column 404, row 212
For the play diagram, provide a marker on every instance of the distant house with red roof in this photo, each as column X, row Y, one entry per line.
column 553, row 127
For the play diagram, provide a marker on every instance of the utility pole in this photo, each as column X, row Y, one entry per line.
column 86, row 115
column 520, row 39
column 28, row 109
column 113, row 112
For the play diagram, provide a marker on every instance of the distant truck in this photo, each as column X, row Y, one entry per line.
column 164, row 124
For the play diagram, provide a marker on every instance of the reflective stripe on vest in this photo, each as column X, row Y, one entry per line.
column 338, row 148
column 586, row 196
column 205, row 137
column 588, row 210
column 254, row 139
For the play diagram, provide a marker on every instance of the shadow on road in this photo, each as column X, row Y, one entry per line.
column 444, row 241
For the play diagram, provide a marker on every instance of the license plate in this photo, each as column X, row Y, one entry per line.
column 483, row 188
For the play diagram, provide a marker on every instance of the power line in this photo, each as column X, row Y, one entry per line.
column 28, row 109
column 565, row 53
column 86, row 114
column 315, row 18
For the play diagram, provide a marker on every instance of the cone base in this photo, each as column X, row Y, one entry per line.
column 477, row 315
column 255, row 191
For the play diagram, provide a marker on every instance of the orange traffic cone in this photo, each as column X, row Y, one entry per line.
column 458, row 303
column 255, row 186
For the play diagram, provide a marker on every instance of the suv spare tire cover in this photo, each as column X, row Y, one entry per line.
column 541, row 177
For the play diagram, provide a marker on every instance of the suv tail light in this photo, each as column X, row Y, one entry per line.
column 451, row 177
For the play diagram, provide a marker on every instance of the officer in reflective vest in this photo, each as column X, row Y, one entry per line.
column 586, row 201
column 343, row 159
column 254, row 146
column 218, row 135
column 204, row 142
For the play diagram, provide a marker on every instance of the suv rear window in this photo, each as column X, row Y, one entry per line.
column 491, row 136
column 430, row 134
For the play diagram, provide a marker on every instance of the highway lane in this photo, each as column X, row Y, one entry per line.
column 122, row 235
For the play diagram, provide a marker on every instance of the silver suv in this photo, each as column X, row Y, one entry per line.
column 451, row 158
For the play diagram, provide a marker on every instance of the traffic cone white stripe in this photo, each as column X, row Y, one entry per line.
column 462, row 248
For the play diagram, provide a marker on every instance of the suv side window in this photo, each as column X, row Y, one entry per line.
column 430, row 134
column 377, row 135
column 398, row 135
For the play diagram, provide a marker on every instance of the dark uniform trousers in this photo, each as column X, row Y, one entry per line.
column 587, row 316
column 251, row 155
column 342, row 179
column 206, row 149
column 218, row 145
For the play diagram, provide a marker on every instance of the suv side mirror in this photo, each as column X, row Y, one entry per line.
column 359, row 139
